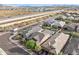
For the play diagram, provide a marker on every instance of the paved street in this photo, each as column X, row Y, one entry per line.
column 72, row 47
column 10, row 48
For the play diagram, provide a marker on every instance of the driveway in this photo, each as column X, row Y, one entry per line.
column 8, row 47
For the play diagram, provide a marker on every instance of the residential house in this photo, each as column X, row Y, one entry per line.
column 37, row 36
column 40, row 37
column 69, row 27
column 54, row 22
column 34, row 29
column 72, row 27
column 78, row 29
column 47, row 34
column 55, row 43
column 70, row 18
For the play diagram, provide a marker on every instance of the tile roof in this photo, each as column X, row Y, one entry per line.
column 55, row 43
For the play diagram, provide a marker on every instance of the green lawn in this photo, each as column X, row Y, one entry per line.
column 49, row 27
column 72, row 33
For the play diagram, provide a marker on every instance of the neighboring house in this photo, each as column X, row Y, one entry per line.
column 77, row 29
column 60, row 23
column 52, row 22
column 49, row 21
column 37, row 36
column 72, row 27
column 71, row 18
column 76, row 18
column 69, row 27
column 37, row 29
column 55, row 43
column 64, row 17
column 68, row 14
column 47, row 34
column 40, row 37
column 34, row 29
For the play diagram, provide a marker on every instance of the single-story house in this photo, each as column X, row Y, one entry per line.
column 69, row 27
column 49, row 21
column 42, row 36
column 34, row 29
column 60, row 23
column 55, row 43
column 77, row 29
column 37, row 36
column 71, row 18
column 72, row 27
column 64, row 17
column 47, row 34
column 52, row 22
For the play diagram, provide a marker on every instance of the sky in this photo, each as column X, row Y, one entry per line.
column 39, row 2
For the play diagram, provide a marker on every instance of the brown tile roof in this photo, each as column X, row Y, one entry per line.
column 55, row 43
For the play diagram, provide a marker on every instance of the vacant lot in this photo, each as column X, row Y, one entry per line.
column 11, row 13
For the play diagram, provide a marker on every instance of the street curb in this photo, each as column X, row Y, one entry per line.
column 22, row 47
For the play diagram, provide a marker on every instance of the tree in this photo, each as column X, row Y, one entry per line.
column 51, row 15
column 59, row 18
column 30, row 44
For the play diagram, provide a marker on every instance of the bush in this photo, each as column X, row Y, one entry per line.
column 59, row 18
column 38, row 48
column 18, row 37
column 75, row 34
column 61, row 53
column 51, row 15
column 30, row 44
column 54, row 27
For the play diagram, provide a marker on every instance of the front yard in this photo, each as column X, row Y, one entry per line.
column 29, row 44
column 53, row 28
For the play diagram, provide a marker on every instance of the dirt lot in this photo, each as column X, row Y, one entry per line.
column 11, row 13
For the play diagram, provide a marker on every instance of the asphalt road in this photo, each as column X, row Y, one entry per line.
column 72, row 47
column 10, row 48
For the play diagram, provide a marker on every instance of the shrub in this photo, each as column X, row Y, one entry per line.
column 18, row 37
column 38, row 48
column 54, row 27
column 51, row 15
column 75, row 34
column 61, row 53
